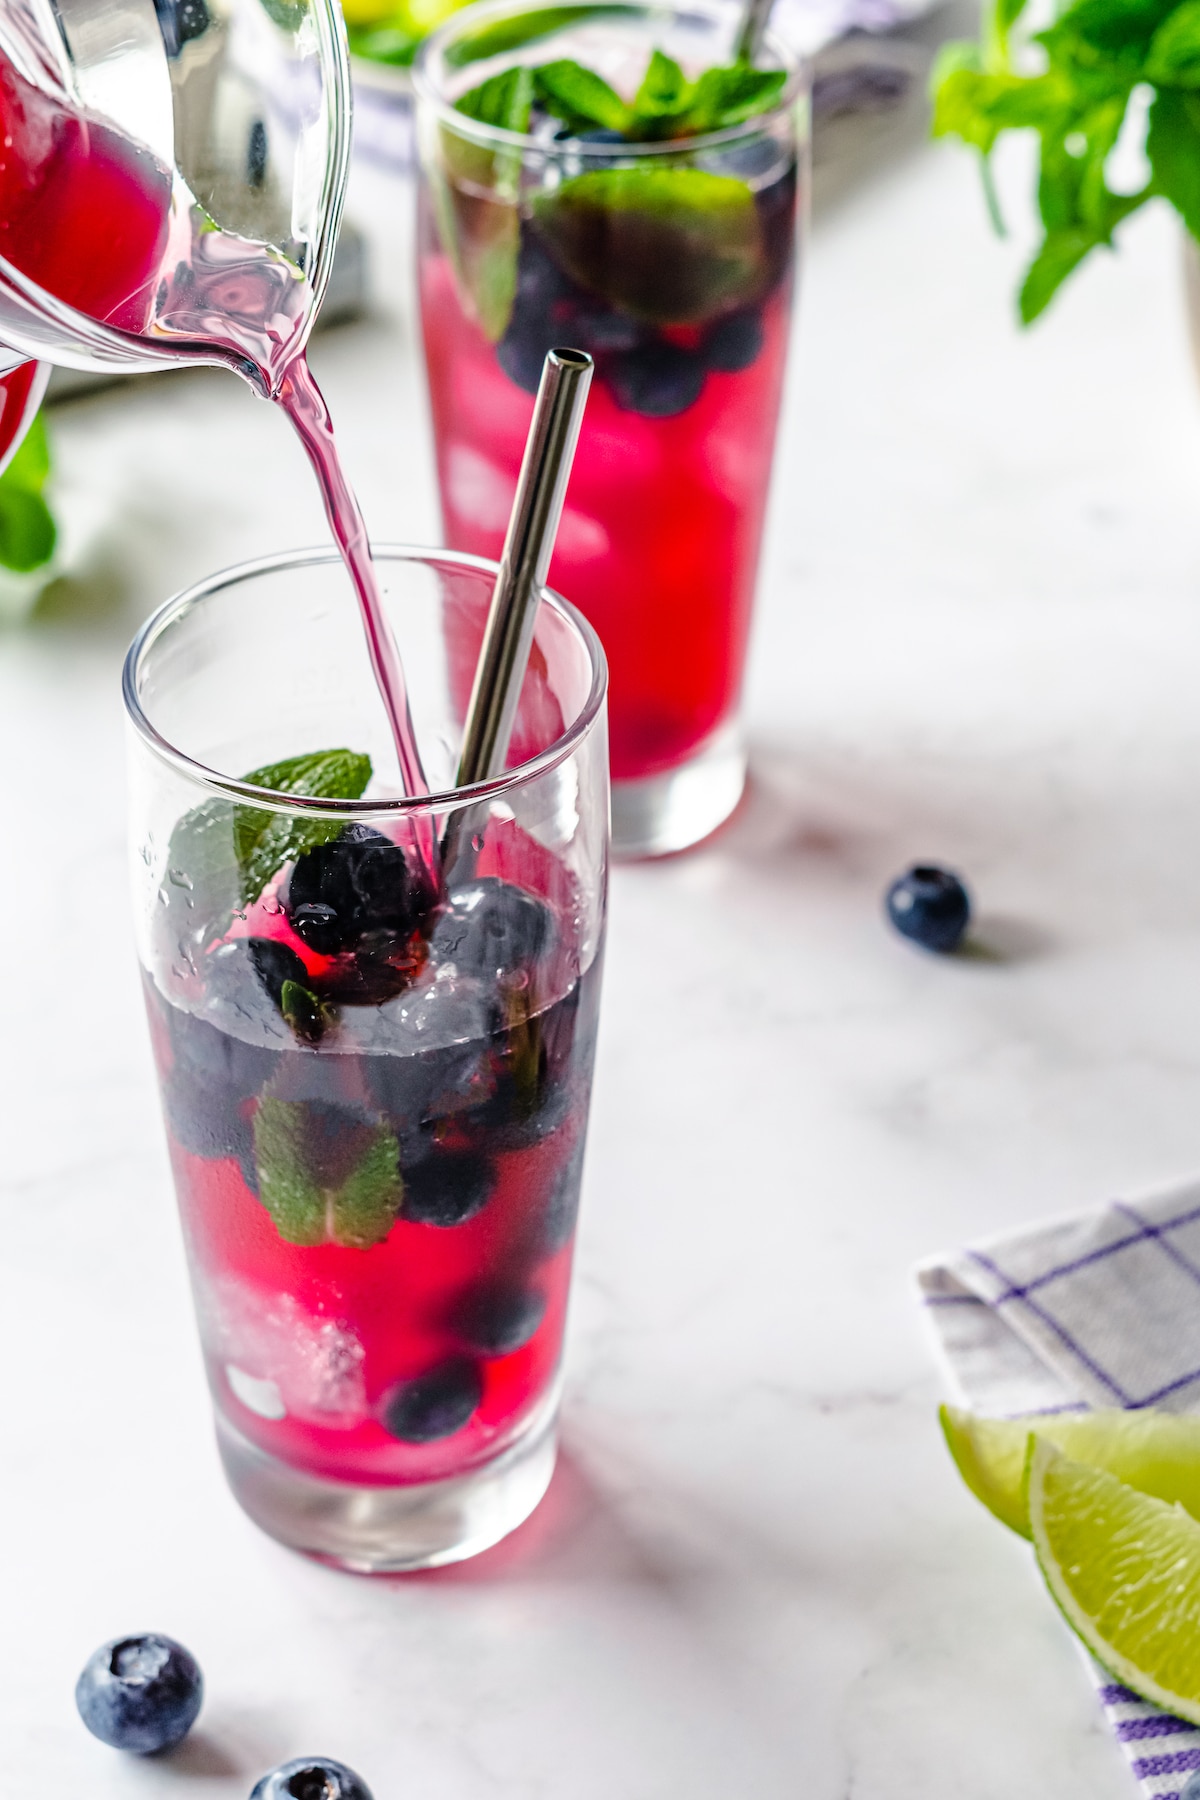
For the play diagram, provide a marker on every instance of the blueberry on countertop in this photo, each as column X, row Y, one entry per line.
column 436, row 1404
column 140, row 1693
column 930, row 906
column 311, row 1778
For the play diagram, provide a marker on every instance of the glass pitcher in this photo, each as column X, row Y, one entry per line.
column 171, row 183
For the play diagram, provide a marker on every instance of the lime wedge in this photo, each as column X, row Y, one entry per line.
column 1124, row 1569
column 1156, row 1453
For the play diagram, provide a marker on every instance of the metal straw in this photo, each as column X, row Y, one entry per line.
column 528, row 547
column 753, row 29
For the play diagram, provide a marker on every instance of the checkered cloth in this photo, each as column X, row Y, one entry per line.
column 1099, row 1310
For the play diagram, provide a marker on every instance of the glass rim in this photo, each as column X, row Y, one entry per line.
column 407, row 805
column 498, row 136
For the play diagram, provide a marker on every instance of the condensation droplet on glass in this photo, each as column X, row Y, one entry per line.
column 164, row 899
column 180, row 878
column 477, row 841
column 272, row 908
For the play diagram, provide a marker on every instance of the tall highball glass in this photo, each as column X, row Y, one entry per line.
column 673, row 264
column 375, row 1059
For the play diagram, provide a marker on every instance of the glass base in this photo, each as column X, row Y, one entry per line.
column 377, row 1530
column 673, row 811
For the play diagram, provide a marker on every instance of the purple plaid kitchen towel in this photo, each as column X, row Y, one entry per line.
column 1098, row 1310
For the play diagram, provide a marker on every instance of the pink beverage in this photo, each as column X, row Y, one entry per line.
column 380, row 1210
column 20, row 391
column 659, row 544
column 673, row 264
column 375, row 1085
column 95, row 221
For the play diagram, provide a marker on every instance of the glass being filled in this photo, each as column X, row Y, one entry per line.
column 375, row 1085
column 612, row 177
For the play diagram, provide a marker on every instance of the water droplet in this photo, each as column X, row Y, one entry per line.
column 477, row 841
column 180, row 878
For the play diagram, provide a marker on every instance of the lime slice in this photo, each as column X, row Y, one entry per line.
column 1157, row 1453
column 1124, row 1569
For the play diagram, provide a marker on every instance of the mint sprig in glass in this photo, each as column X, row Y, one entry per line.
column 614, row 178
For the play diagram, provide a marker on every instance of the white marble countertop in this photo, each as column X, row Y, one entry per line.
column 755, row 1574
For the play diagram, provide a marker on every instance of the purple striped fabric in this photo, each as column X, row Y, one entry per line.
column 1099, row 1310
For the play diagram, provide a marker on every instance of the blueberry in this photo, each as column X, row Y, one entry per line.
column 929, row 905
column 734, row 342
column 311, row 1778
column 436, row 1404
column 216, row 1059
column 204, row 1119
column 447, row 1188
column 498, row 1321
column 1191, row 1787
column 140, row 1693
column 358, row 884
column 492, row 930
column 180, row 21
column 521, row 353
column 657, row 380
column 275, row 963
column 541, row 307
column 600, row 328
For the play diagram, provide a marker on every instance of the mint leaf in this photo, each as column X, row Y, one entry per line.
column 1173, row 147
column 673, row 246
column 27, row 530
column 474, row 189
column 1112, row 26
column 203, row 881
column 302, row 1011
column 515, row 32
column 391, row 44
column 503, row 100
column 725, row 97
column 665, row 91
column 579, row 98
column 1173, row 59
column 221, row 856
column 264, row 841
column 1061, row 252
column 311, row 1202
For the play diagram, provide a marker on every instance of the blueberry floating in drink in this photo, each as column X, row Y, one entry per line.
column 360, row 883
column 141, row 1694
column 498, row 1320
column 434, row 1405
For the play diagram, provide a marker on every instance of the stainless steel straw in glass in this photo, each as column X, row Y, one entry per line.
column 528, row 547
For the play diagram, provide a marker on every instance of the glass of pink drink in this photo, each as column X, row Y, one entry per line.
column 688, row 323
column 375, row 1076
